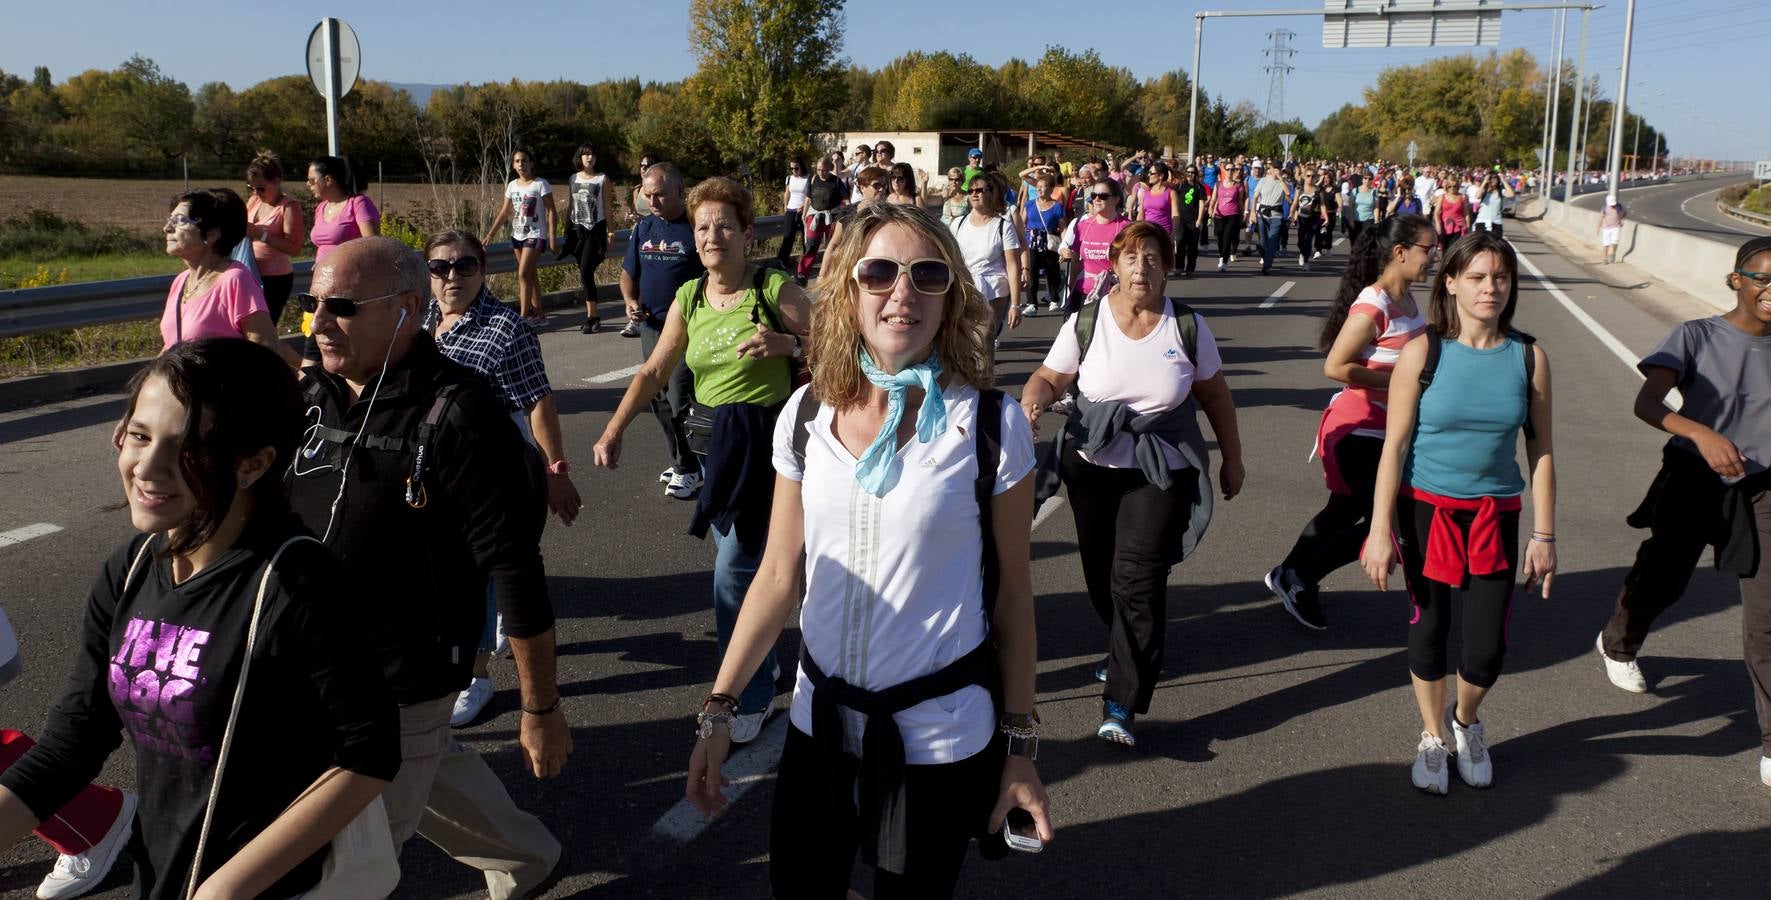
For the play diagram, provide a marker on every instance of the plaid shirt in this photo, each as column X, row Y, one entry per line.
column 494, row 341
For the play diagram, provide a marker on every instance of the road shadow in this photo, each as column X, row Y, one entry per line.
column 57, row 421
column 1707, row 864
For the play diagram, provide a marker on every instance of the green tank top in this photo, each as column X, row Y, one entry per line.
column 721, row 375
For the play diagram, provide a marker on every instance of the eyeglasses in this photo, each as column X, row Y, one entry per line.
column 342, row 307
column 876, row 185
column 979, row 192
column 879, row 274
column 465, row 267
column 179, row 220
column 1102, row 198
column 1762, row 279
column 1429, row 247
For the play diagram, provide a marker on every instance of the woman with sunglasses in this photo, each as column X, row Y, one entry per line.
column 1714, row 485
column 309, row 730
column 739, row 329
column 528, row 206
column 904, row 190
column 871, row 184
column 954, row 203
column 1134, row 459
column 1449, row 492
column 1451, row 212
column 990, row 240
column 214, row 296
column 1091, row 238
column 275, row 224
column 1228, row 210
column 904, row 518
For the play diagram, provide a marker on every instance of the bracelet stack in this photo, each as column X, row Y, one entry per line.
column 1543, row 537
column 1022, row 730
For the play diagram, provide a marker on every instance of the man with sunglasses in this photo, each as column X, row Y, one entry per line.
column 409, row 473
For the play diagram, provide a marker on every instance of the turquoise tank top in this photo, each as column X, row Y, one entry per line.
column 1466, row 434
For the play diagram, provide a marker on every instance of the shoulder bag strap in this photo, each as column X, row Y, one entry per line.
column 1085, row 328
column 227, row 734
column 989, row 449
column 1530, row 352
column 803, row 414
column 1187, row 327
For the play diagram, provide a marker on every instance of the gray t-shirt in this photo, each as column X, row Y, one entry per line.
column 1269, row 191
column 1725, row 378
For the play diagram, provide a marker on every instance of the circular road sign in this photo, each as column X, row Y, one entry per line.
column 350, row 57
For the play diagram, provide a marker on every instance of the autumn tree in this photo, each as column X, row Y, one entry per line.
column 1077, row 94
column 1343, row 134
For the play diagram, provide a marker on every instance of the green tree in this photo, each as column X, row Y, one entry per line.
column 1343, row 134
column 1162, row 109
column 1079, row 95
column 770, row 73
column 930, row 91
column 1264, row 139
column 219, row 126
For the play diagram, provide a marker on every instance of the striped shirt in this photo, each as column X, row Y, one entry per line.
column 493, row 340
column 1395, row 328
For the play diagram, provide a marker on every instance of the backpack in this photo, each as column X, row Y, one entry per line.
column 797, row 373
column 988, row 444
column 1431, row 367
column 1186, row 327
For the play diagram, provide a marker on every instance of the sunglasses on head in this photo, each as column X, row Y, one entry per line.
column 879, row 274
column 341, row 307
column 466, row 267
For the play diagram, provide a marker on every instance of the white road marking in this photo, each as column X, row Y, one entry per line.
column 751, row 763
column 1274, row 299
column 617, row 375
column 20, row 535
column 1605, row 337
column 1045, row 512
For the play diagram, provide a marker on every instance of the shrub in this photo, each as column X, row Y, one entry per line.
column 41, row 234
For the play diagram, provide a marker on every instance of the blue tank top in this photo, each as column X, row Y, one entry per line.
column 1466, row 434
column 1046, row 221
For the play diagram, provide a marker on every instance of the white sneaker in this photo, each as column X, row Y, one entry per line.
column 500, row 640
column 1232, row 257
column 1029, row 309
column 665, row 476
column 746, row 727
column 1474, row 767
column 1220, row 265
column 1053, row 306
column 1316, row 255
column 1430, row 774
column 1764, row 772
column 1626, row 675
column 471, row 702
column 683, row 485
column 1302, row 261
column 79, row 874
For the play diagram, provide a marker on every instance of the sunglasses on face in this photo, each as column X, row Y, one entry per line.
column 876, row 185
column 465, row 267
column 179, row 220
column 979, row 192
column 1100, row 198
column 341, row 307
column 878, row 274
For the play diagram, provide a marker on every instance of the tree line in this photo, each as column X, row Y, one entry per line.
column 770, row 75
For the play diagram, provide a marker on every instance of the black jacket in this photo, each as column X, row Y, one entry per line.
column 427, row 568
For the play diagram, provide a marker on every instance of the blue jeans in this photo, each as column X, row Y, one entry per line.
column 733, row 571
column 1270, row 226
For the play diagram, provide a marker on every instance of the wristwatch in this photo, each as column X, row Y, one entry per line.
column 799, row 349
column 704, row 722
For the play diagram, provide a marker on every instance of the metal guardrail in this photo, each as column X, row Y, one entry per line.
column 1744, row 214
column 60, row 307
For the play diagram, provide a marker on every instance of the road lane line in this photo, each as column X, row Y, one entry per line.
column 1599, row 331
column 1045, row 512
column 1274, row 299
column 617, row 375
column 752, row 763
column 20, row 535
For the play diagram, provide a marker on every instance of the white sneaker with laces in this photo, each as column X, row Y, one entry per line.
column 1626, row 675
column 1474, row 767
column 683, row 485
column 665, row 476
column 747, row 726
column 1430, row 773
column 75, row 875
column 471, row 702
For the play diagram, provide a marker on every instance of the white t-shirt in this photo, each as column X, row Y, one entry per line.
column 1424, row 188
column 893, row 585
column 526, row 208
column 985, row 248
column 589, row 204
column 796, row 191
column 1150, row 375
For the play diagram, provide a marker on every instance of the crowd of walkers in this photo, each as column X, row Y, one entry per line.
column 336, row 546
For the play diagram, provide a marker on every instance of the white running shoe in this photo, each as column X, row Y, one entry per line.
column 1626, row 675
column 1220, row 265
column 684, row 485
column 78, row 874
column 1302, row 261
column 1430, row 774
column 747, row 726
column 471, row 702
column 1030, row 309
column 500, row 640
column 665, row 476
column 1474, row 767
column 1316, row 255
column 1054, row 306
column 1765, row 770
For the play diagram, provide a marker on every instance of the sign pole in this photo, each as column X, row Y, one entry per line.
column 1193, row 106
column 1552, row 112
column 1580, row 77
column 329, row 34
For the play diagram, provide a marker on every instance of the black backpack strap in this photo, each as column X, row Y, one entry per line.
column 1431, row 367
column 416, row 496
column 988, row 428
column 1527, row 342
column 1085, row 329
column 766, row 309
column 803, row 414
column 1187, row 326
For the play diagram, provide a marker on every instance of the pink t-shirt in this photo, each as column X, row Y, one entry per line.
column 220, row 311
column 326, row 235
column 1228, row 200
column 1150, row 375
column 1094, row 244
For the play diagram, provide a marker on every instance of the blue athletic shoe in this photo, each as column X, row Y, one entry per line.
column 1116, row 727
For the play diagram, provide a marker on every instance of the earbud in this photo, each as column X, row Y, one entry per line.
column 403, row 316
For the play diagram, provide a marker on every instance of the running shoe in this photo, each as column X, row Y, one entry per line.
column 1220, row 265
column 1054, row 306
column 77, row 874
column 665, row 476
column 1232, row 257
column 1030, row 308
column 471, row 702
column 1474, row 767
column 591, row 326
column 1302, row 261
column 1298, row 598
column 1116, row 725
column 1316, row 255
column 632, row 329
column 1626, row 675
column 500, row 640
column 1430, row 774
column 746, row 726
column 1101, row 672
column 684, row 485
column 1765, row 770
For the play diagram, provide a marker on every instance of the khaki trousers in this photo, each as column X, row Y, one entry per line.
column 446, row 793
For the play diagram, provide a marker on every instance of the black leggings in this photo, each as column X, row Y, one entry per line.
column 1187, row 249
column 276, row 294
column 1334, row 537
column 1229, row 235
column 1046, row 264
column 812, row 840
column 1487, row 600
column 1496, row 229
column 592, row 247
column 1308, row 227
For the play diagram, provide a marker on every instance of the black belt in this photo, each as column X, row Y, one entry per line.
column 883, row 822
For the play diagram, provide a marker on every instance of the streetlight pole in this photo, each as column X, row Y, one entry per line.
column 1552, row 101
column 1623, row 93
column 1580, row 72
column 1654, row 167
column 1193, row 108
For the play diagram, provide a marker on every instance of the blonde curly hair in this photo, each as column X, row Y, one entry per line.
column 962, row 342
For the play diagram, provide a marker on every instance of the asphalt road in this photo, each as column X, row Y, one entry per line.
column 1688, row 206
column 1274, row 762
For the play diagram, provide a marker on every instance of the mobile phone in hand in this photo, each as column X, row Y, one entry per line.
column 1019, row 832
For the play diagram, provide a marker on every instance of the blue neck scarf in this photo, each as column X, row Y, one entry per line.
column 878, row 469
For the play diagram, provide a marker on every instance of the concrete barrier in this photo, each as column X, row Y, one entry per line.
column 1690, row 263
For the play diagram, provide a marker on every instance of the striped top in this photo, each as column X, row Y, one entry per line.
column 1395, row 328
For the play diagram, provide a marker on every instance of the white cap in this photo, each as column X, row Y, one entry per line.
column 1610, row 199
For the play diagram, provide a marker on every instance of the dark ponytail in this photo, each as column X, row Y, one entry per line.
column 1371, row 253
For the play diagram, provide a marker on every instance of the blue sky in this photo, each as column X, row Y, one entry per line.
column 1693, row 59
